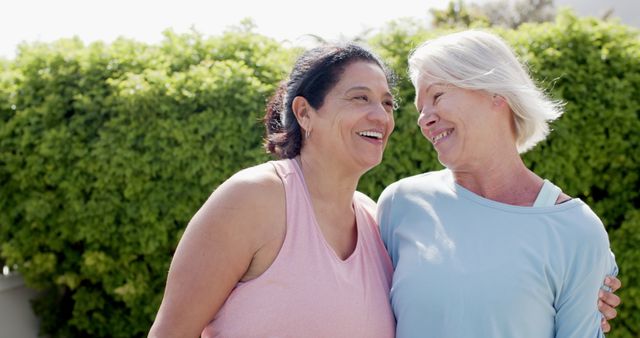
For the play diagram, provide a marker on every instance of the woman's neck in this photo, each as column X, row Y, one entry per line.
column 506, row 180
column 328, row 182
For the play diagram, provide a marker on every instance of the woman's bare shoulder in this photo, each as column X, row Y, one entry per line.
column 251, row 193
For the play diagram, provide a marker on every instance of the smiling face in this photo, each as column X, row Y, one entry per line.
column 356, row 118
column 463, row 125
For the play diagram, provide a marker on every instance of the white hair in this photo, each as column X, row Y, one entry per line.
column 479, row 60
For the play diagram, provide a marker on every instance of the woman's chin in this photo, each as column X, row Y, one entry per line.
column 445, row 161
column 370, row 163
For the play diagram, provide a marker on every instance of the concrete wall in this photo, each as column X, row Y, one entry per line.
column 17, row 320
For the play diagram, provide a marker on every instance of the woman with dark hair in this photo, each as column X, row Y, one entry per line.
column 289, row 248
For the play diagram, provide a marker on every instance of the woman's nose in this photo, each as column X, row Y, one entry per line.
column 379, row 113
column 427, row 118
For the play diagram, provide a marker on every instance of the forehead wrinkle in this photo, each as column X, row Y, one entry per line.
column 356, row 88
column 427, row 90
column 365, row 88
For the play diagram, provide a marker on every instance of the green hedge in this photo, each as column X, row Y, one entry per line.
column 106, row 151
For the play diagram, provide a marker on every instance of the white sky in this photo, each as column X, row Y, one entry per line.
column 144, row 20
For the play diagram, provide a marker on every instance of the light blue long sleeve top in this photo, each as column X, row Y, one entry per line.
column 466, row 266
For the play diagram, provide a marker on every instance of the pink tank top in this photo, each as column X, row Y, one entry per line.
column 309, row 291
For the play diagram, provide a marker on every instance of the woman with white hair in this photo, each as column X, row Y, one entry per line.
column 485, row 247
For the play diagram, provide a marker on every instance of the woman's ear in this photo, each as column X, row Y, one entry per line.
column 302, row 110
column 499, row 101
column 502, row 109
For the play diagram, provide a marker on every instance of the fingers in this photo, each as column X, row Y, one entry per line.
column 613, row 282
column 609, row 298
column 604, row 324
column 607, row 311
column 608, row 301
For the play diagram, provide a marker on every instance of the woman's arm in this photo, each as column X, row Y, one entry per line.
column 586, row 261
column 217, row 250
column 607, row 300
